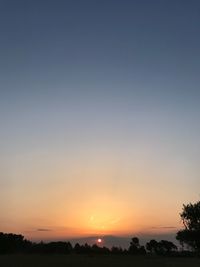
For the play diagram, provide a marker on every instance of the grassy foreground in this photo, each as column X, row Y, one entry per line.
column 96, row 261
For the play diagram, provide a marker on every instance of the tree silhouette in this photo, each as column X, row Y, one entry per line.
column 166, row 247
column 163, row 247
column 152, row 246
column 135, row 247
column 191, row 220
column 10, row 243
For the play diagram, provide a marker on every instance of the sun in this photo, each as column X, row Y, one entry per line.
column 99, row 240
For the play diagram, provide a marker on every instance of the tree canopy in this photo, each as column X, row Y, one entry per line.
column 190, row 217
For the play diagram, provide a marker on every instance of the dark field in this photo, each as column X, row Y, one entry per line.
column 98, row 261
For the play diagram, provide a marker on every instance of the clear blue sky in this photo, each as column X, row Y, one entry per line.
column 99, row 103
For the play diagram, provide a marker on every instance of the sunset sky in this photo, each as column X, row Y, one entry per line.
column 99, row 116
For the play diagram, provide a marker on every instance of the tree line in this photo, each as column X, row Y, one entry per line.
column 189, row 237
column 13, row 243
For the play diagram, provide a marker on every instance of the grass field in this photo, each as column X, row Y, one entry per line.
column 98, row 261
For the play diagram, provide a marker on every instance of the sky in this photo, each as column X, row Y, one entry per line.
column 99, row 116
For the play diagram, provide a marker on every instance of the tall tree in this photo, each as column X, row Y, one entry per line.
column 191, row 220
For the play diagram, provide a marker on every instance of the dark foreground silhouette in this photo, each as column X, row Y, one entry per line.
column 13, row 243
column 73, row 260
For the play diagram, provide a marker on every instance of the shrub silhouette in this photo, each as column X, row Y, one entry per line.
column 10, row 243
column 161, row 248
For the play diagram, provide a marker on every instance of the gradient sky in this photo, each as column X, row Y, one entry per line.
column 99, row 113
